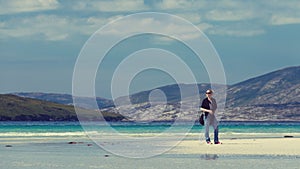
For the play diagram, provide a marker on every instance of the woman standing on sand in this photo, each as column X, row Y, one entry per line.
column 209, row 106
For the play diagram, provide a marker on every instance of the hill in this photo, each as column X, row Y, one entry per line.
column 66, row 99
column 172, row 93
column 274, row 96
column 278, row 87
column 15, row 108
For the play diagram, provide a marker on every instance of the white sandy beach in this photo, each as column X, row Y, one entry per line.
column 255, row 146
column 257, row 151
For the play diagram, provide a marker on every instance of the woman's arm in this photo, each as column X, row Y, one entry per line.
column 206, row 110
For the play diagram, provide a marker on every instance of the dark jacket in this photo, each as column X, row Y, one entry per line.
column 206, row 104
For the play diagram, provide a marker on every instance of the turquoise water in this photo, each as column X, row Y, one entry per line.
column 158, row 127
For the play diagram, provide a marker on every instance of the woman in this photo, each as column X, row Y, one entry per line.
column 209, row 106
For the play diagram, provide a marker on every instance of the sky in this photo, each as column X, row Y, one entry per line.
column 41, row 40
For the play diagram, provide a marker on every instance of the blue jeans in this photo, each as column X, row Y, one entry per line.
column 211, row 120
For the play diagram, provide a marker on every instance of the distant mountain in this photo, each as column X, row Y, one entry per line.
column 172, row 93
column 278, row 87
column 274, row 96
column 15, row 108
column 66, row 99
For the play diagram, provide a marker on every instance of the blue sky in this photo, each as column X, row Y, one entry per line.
column 41, row 40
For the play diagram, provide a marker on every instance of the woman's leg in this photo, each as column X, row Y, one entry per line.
column 216, row 130
column 206, row 124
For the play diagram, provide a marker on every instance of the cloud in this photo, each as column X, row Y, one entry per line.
column 283, row 12
column 204, row 26
column 237, row 33
column 51, row 27
column 284, row 20
column 279, row 5
column 191, row 17
column 180, row 4
column 110, row 5
column 19, row 6
column 2, row 24
column 230, row 15
column 166, row 25
column 236, row 30
column 85, row 17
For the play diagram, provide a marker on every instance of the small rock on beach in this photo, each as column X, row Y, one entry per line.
column 72, row 142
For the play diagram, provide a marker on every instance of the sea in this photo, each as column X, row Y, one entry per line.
column 45, row 145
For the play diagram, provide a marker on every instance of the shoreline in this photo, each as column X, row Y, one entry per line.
column 149, row 122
